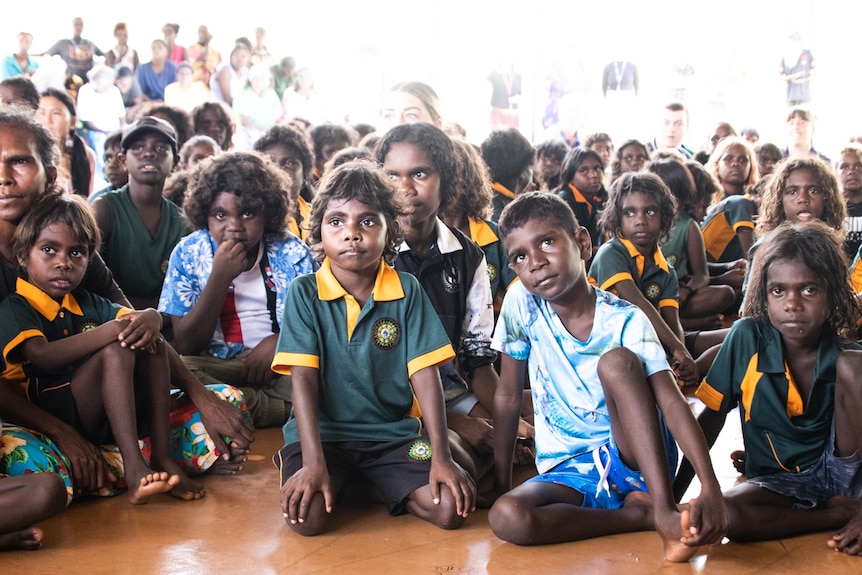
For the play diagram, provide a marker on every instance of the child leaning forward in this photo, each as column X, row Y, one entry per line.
column 363, row 348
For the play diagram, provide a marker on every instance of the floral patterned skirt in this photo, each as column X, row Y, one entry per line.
column 24, row 451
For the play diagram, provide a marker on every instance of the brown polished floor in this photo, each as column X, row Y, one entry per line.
column 237, row 528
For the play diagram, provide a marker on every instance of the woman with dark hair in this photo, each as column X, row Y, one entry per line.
column 77, row 160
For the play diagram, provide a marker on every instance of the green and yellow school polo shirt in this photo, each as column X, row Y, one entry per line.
column 365, row 356
column 719, row 227
column 618, row 260
column 782, row 430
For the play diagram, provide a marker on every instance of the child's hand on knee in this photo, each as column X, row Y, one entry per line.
column 143, row 330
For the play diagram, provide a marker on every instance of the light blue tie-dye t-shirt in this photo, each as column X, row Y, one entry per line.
column 571, row 416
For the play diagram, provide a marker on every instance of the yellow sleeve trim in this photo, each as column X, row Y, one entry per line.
column 437, row 357
column 123, row 311
column 24, row 335
column 743, row 224
column 282, row 362
column 615, row 279
column 709, row 396
column 668, row 303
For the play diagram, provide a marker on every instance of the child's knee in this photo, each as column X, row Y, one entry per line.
column 445, row 514
column 47, row 493
column 509, row 521
column 619, row 364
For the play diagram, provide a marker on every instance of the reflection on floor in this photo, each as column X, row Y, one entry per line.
column 238, row 529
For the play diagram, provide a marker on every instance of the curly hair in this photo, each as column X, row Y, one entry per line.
column 616, row 163
column 679, row 181
column 434, row 142
column 222, row 114
column 645, row 183
column 260, row 187
column 508, row 154
column 819, row 248
column 324, row 134
column 771, row 212
column 296, row 141
column 365, row 182
column 472, row 186
column 705, row 188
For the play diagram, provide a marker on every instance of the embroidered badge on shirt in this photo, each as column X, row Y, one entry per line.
column 492, row 273
column 420, row 450
column 386, row 333
column 88, row 326
column 653, row 291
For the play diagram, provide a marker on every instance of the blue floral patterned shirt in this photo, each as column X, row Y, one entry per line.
column 191, row 264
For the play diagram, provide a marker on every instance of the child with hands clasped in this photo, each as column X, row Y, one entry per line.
column 363, row 345
column 795, row 379
column 88, row 361
column 640, row 212
column 602, row 390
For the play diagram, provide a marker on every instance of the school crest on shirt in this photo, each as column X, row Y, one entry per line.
column 492, row 273
column 450, row 276
column 420, row 450
column 652, row 291
column 671, row 259
column 88, row 325
column 386, row 333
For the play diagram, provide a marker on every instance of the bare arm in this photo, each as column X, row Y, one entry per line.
column 696, row 253
column 104, row 218
column 50, row 355
column 429, row 392
column 507, row 410
column 746, row 239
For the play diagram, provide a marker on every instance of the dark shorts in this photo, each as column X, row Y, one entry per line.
column 831, row 475
column 396, row 468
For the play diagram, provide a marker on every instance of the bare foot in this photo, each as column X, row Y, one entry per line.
column 149, row 485
column 670, row 529
column 231, row 466
column 28, row 539
column 845, row 509
column 185, row 488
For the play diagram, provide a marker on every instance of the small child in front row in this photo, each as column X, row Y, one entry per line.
column 362, row 345
column 77, row 366
column 795, row 379
column 602, row 390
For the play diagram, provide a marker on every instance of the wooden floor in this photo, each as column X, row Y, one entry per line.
column 238, row 528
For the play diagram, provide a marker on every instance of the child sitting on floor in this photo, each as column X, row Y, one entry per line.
column 602, row 390
column 794, row 376
column 78, row 367
column 227, row 281
column 362, row 345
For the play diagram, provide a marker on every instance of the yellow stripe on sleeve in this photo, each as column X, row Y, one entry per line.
column 24, row 335
column 282, row 362
column 709, row 396
column 668, row 303
column 437, row 357
column 615, row 279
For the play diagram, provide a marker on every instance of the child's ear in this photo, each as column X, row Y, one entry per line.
column 584, row 242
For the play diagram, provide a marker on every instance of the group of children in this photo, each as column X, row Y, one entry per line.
column 385, row 351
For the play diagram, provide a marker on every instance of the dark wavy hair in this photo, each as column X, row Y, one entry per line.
column 643, row 182
column 365, row 182
column 27, row 93
column 819, row 248
column 507, row 153
column 573, row 160
column 679, row 181
column 260, row 187
column 472, row 186
column 295, row 140
column 177, row 117
column 434, row 142
column 222, row 116
column 771, row 212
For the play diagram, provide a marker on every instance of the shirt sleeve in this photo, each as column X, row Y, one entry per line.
column 475, row 347
column 609, row 267
column 717, row 390
column 740, row 213
column 299, row 339
column 510, row 335
column 183, row 281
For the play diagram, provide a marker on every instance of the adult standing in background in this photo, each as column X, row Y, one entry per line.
column 204, row 58
column 620, row 76
column 505, row 95
column 76, row 51
column 176, row 53
column 20, row 63
column 797, row 67
column 122, row 54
